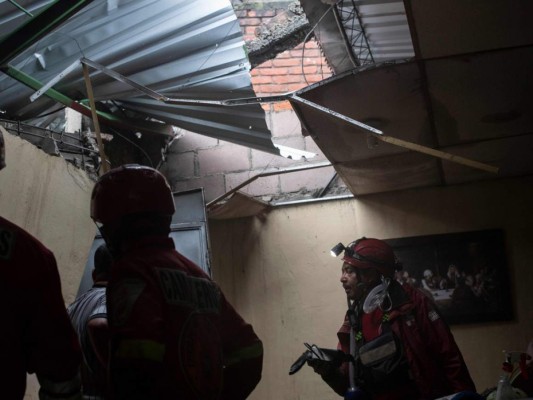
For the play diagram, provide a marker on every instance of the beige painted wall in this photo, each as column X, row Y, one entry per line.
column 280, row 276
column 50, row 199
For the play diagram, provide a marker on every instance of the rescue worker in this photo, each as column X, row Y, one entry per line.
column 36, row 335
column 88, row 314
column 402, row 347
column 173, row 333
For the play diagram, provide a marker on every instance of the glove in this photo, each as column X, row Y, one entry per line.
column 323, row 361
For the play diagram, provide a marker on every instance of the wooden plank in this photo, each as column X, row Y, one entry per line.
column 105, row 164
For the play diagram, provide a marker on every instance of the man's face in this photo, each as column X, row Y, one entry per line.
column 357, row 282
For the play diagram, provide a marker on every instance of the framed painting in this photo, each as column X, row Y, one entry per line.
column 464, row 273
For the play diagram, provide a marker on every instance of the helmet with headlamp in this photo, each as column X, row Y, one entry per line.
column 366, row 253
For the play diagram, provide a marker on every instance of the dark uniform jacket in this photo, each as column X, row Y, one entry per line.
column 36, row 335
column 173, row 334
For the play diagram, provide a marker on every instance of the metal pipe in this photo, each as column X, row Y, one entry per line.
column 269, row 173
column 313, row 200
column 19, row 132
column 325, row 188
column 20, row 8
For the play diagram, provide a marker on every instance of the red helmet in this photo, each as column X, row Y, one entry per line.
column 372, row 253
column 130, row 189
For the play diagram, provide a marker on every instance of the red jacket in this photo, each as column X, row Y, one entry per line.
column 36, row 335
column 435, row 362
column 173, row 334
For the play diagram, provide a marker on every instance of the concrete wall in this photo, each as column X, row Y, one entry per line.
column 280, row 276
column 50, row 199
column 196, row 161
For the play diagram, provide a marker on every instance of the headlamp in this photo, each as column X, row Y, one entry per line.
column 338, row 249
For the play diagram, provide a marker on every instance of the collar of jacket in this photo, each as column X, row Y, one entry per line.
column 401, row 302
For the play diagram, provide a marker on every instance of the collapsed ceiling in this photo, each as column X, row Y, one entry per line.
column 465, row 93
column 181, row 49
column 425, row 94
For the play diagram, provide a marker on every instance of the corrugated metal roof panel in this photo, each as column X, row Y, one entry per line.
column 383, row 24
column 181, row 48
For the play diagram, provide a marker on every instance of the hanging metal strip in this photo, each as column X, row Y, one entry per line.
column 54, row 80
column 336, row 114
column 267, row 173
column 399, row 142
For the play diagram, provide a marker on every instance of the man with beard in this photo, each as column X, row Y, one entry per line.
column 401, row 348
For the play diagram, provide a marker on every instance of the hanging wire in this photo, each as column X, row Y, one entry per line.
column 134, row 144
column 307, row 38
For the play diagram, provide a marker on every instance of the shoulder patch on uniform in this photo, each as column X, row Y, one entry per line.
column 184, row 290
column 433, row 315
column 7, row 242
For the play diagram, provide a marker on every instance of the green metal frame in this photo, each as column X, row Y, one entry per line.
column 36, row 28
column 107, row 118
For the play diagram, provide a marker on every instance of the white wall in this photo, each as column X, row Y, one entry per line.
column 280, row 276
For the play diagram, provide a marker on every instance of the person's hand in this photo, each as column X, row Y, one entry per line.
column 321, row 367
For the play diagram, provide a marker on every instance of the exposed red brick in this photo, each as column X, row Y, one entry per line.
column 294, row 86
column 282, row 106
column 313, row 69
column 314, row 77
column 312, row 53
column 285, row 54
column 273, row 71
column 256, row 80
column 312, row 44
column 287, row 78
column 296, row 53
column 277, row 89
column 250, row 21
column 266, row 64
column 289, row 62
column 295, row 70
column 260, row 90
column 250, row 30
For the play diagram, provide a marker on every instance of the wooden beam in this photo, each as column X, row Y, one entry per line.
column 438, row 153
column 105, row 165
